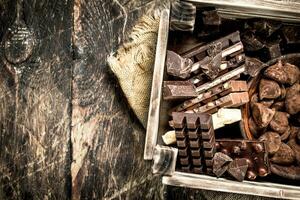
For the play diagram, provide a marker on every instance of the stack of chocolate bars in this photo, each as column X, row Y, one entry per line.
column 205, row 76
column 195, row 141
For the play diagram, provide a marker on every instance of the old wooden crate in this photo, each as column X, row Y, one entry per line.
column 285, row 10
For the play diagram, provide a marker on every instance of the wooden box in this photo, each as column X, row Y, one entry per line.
column 284, row 10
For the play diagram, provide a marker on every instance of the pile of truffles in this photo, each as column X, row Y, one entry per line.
column 275, row 115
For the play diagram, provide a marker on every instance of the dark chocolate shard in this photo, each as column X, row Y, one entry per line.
column 262, row 115
column 178, row 66
column 253, row 66
column 251, row 42
column 289, row 172
column 211, row 17
column 291, row 34
column 292, row 101
column 269, row 89
column 220, row 163
column 284, row 156
column 272, row 141
column 274, row 50
column 238, row 168
column 173, row 90
column 266, row 27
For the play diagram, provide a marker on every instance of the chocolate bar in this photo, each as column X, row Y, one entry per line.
column 230, row 100
column 195, row 141
column 254, row 152
column 223, row 89
column 232, row 38
column 178, row 90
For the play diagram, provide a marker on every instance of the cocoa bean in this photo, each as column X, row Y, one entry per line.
column 272, row 141
column 284, row 156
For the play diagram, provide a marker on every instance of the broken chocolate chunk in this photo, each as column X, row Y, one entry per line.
column 266, row 27
column 262, row 115
column 220, row 163
column 178, row 66
column 253, row 66
column 272, row 141
column 178, row 90
column 279, row 122
column 269, row 89
column 238, row 168
column 284, row 156
column 211, row 17
column 292, row 101
column 251, row 42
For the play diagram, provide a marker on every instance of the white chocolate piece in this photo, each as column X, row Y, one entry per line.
column 226, row 116
column 169, row 137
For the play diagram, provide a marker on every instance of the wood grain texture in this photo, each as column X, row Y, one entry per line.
column 107, row 140
column 35, row 106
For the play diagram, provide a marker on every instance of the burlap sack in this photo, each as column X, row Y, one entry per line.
column 133, row 65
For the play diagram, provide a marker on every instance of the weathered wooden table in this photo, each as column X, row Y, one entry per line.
column 65, row 129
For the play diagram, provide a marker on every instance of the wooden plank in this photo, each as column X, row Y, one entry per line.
column 156, row 91
column 266, row 189
column 35, row 103
column 273, row 9
column 107, row 139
